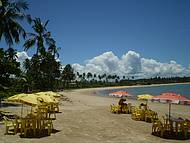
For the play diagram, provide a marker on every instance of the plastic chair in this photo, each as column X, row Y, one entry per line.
column 148, row 116
column 52, row 111
column 9, row 123
column 186, row 128
column 157, row 128
column 47, row 124
column 136, row 115
column 115, row 108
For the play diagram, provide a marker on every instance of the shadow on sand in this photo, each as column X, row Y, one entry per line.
column 173, row 136
column 39, row 135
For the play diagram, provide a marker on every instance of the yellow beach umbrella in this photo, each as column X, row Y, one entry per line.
column 33, row 99
column 28, row 99
column 47, row 98
column 144, row 97
column 49, row 93
column 16, row 98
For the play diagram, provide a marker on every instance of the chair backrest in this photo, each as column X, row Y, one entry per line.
column 188, row 123
column 7, row 120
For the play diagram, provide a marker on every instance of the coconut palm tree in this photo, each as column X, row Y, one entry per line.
column 40, row 36
column 53, row 49
column 89, row 75
column 11, row 54
column 68, row 74
column 2, row 53
column 11, row 13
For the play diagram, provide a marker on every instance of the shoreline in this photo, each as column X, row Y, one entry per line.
column 122, row 87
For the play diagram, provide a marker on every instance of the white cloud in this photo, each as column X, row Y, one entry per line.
column 106, row 63
column 131, row 64
column 21, row 57
column 78, row 68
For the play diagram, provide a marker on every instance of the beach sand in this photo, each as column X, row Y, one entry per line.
column 86, row 118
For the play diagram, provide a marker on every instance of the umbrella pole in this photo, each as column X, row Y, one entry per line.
column 169, row 110
column 21, row 110
column 147, row 102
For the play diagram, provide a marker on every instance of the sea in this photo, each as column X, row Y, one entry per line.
column 182, row 89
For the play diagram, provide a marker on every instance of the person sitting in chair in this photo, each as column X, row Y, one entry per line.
column 144, row 106
column 122, row 103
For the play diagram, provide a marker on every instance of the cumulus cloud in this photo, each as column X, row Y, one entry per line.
column 131, row 64
column 107, row 63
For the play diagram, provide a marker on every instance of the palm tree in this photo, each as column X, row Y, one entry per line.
column 40, row 36
column 89, row 75
column 53, row 49
column 68, row 74
column 2, row 54
column 10, row 15
column 11, row 54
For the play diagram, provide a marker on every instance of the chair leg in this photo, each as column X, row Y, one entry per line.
column 49, row 130
column 6, row 131
column 15, row 130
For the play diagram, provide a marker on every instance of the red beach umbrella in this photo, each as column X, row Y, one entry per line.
column 120, row 94
column 169, row 97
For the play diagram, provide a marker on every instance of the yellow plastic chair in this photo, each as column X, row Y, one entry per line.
column 186, row 128
column 26, row 126
column 9, row 123
column 136, row 115
column 56, row 107
column 47, row 124
column 43, row 111
column 157, row 128
column 150, row 116
column 126, row 109
column 115, row 108
column 155, row 116
column 132, row 109
column 168, row 125
column 129, row 108
column 52, row 111
column 17, row 121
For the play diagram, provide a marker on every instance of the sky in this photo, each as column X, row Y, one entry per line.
column 119, row 36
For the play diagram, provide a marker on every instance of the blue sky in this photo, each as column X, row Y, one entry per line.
column 158, row 29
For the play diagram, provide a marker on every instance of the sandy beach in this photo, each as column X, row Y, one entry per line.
column 86, row 118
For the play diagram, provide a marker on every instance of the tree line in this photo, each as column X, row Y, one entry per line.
column 44, row 71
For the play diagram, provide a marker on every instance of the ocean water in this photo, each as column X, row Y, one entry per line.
column 182, row 89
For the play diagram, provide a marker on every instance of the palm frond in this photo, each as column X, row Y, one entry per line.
column 31, row 34
column 29, row 43
column 10, row 13
column 50, row 41
column 46, row 24
column 8, row 37
column 21, row 5
column 28, row 18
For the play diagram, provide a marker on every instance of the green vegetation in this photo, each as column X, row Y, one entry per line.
column 43, row 71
